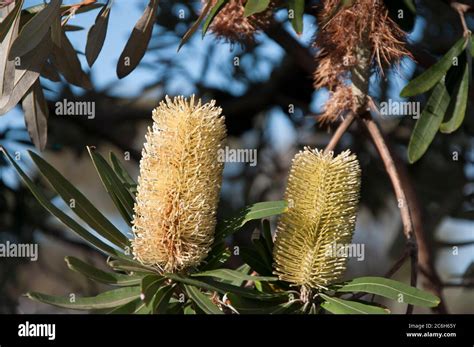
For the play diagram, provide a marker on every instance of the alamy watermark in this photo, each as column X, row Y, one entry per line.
column 19, row 250
column 75, row 108
column 350, row 250
column 400, row 108
column 233, row 155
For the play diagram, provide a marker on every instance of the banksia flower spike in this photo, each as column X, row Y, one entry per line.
column 322, row 194
column 179, row 185
column 232, row 26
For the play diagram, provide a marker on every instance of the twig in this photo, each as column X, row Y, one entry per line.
column 342, row 128
column 461, row 9
column 417, row 245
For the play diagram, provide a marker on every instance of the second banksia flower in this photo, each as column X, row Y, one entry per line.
column 179, row 184
column 322, row 193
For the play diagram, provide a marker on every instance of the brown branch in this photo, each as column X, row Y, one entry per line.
column 342, row 128
column 417, row 245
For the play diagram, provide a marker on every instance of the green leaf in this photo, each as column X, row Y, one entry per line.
column 218, row 255
column 149, row 287
column 123, row 174
column 129, row 265
column 295, row 13
column 457, row 109
column 101, row 276
column 97, row 33
column 68, row 221
column 137, row 43
column 225, row 288
column 252, row 258
column 391, row 289
column 118, row 193
column 8, row 21
column 109, row 299
column 435, row 73
column 255, row 6
column 256, row 211
column 214, row 11
column 161, row 299
column 429, row 122
column 196, row 24
column 340, row 306
column 232, row 275
column 35, row 30
column 128, row 308
column 249, row 306
column 84, row 209
column 202, row 300
column 36, row 113
column 267, row 235
column 189, row 310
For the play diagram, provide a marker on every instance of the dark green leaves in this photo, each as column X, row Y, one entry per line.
column 232, row 275
column 82, row 207
column 118, row 193
column 97, row 33
column 138, row 42
column 435, row 73
column 391, row 289
column 35, row 30
column 202, row 300
column 428, row 124
column 196, row 24
column 101, row 276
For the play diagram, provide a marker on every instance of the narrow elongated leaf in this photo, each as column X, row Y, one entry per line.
column 231, row 275
column 118, row 193
column 196, row 24
column 110, row 278
column 25, row 75
column 65, row 59
column 149, row 286
column 35, row 30
column 123, row 174
column 109, row 299
column 249, row 306
column 218, row 255
column 429, row 122
column 267, row 235
column 202, row 300
column 161, row 299
column 212, row 14
column 96, row 34
column 7, row 23
column 252, row 258
column 83, row 208
column 295, row 13
column 255, row 6
column 340, row 306
column 48, row 71
column 435, row 73
column 138, row 42
column 129, row 265
column 224, row 288
column 391, row 289
column 68, row 221
column 36, row 113
column 252, row 212
column 128, row 308
column 458, row 106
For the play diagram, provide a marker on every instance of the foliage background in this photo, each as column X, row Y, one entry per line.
column 255, row 97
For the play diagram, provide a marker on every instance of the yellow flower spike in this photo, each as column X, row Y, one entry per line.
column 179, row 184
column 322, row 194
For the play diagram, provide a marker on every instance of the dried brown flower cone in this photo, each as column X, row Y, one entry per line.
column 179, row 185
column 322, row 195
column 231, row 26
column 351, row 42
